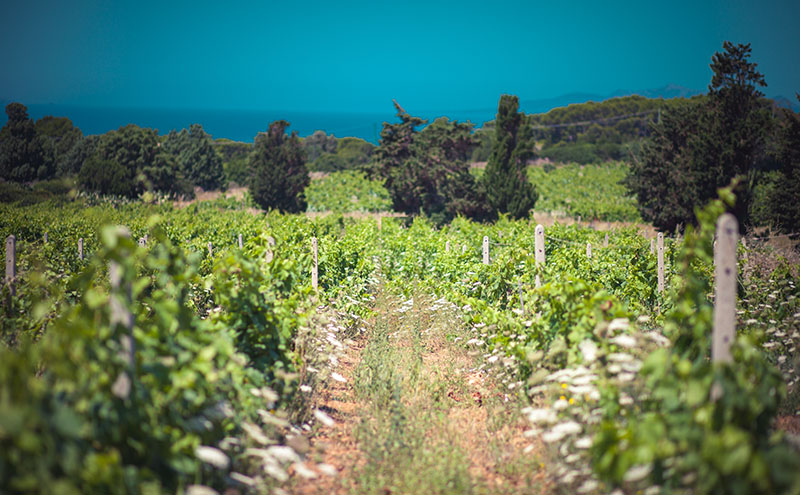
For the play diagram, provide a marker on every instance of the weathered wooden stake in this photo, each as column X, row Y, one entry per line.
column 725, row 273
column 240, row 242
column 270, row 253
column 45, row 237
column 80, row 249
column 588, row 249
column 11, row 265
column 521, row 301
column 485, row 250
column 538, row 244
column 605, row 242
column 315, row 264
column 660, row 253
column 447, row 246
column 652, row 246
column 210, row 250
column 142, row 242
column 120, row 302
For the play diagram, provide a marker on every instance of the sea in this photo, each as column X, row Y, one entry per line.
column 237, row 125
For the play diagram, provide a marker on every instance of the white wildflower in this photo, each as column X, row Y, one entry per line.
column 305, row 388
column 323, row 418
column 625, row 341
column 200, row 490
column 303, row 470
column 589, row 350
column 620, row 357
column 213, row 456
column 245, row 480
column 618, row 324
column 637, row 473
column 338, row 377
column 583, row 443
column 255, row 433
column 588, row 486
column 327, row 469
column 560, row 405
column 541, row 415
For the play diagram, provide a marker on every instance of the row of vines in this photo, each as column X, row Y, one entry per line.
column 615, row 375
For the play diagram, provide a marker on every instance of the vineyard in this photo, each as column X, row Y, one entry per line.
column 150, row 349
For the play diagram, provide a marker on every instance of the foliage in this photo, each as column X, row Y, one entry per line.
column 134, row 164
column 426, row 172
column 506, row 184
column 318, row 144
column 195, row 157
column 59, row 138
column 700, row 147
column 106, row 177
column 347, row 191
column 783, row 209
column 592, row 192
column 701, row 426
column 22, row 157
column 234, row 157
column 279, row 174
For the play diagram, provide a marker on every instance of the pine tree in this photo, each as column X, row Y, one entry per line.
column 507, row 185
column 21, row 153
column 702, row 145
column 279, row 173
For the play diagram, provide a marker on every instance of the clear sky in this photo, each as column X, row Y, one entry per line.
column 357, row 56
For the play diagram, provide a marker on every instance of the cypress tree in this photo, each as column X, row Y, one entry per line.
column 279, row 173
column 507, row 185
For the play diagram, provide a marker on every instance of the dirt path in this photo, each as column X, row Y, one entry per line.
column 417, row 415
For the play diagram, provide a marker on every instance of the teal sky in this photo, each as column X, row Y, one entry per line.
column 357, row 56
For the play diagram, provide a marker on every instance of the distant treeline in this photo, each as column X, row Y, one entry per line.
column 680, row 151
column 49, row 157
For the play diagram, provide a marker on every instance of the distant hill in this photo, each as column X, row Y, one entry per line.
column 546, row 104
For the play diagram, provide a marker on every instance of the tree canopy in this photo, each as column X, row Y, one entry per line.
column 426, row 171
column 703, row 144
column 134, row 164
column 279, row 173
column 195, row 157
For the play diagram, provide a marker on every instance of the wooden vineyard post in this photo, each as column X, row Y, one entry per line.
column 725, row 274
column 538, row 246
column 660, row 250
column 589, row 250
column 605, row 242
column 270, row 252
column 521, row 300
column 120, row 301
column 210, row 250
column 45, row 237
column 80, row 249
column 240, row 241
column 11, row 267
column 315, row 264
column 652, row 246
column 447, row 246
column 485, row 250
column 463, row 248
column 142, row 242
